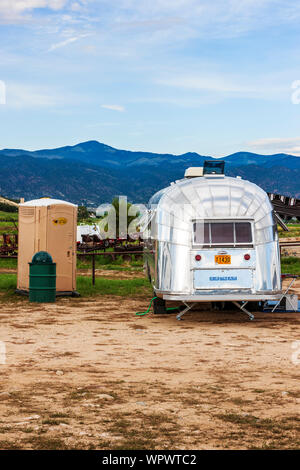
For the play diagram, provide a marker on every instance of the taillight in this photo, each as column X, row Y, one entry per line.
column 198, row 257
column 247, row 257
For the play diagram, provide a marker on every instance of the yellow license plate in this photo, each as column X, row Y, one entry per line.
column 223, row 259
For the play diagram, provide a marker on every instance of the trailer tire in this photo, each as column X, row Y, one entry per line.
column 159, row 306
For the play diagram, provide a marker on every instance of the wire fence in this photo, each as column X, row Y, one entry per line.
column 128, row 255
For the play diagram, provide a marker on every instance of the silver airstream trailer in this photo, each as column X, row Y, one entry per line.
column 212, row 238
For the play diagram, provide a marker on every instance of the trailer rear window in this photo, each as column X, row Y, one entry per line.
column 229, row 234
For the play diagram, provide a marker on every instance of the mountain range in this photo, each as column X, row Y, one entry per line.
column 91, row 173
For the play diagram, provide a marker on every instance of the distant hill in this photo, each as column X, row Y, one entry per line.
column 8, row 202
column 92, row 172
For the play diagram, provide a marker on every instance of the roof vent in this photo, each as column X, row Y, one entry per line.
column 193, row 172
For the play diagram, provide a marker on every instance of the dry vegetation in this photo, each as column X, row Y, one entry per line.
column 89, row 374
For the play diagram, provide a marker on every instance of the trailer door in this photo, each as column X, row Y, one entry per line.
column 223, row 255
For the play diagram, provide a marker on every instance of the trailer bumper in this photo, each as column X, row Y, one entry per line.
column 221, row 297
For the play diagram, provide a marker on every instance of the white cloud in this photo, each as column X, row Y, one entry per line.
column 290, row 145
column 76, row 6
column 217, row 83
column 205, row 18
column 20, row 95
column 2, row 92
column 140, row 23
column 62, row 44
column 202, row 82
column 58, row 45
column 188, row 18
column 103, row 124
column 114, row 107
column 28, row 96
column 12, row 10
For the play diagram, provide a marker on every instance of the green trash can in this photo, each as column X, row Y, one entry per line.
column 42, row 278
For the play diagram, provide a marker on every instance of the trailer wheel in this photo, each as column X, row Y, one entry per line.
column 159, row 306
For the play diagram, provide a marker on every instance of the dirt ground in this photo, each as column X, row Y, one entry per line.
column 294, row 289
column 89, row 374
column 290, row 250
column 112, row 274
column 106, row 273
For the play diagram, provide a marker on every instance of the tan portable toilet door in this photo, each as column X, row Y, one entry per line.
column 61, row 245
column 27, row 236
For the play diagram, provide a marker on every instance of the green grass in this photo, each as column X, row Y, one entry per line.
column 124, row 287
column 7, row 222
column 290, row 265
column 8, row 215
column 102, row 262
column 119, row 287
column 8, row 228
column 7, row 225
column 8, row 282
column 106, row 262
column 8, row 285
column 294, row 231
column 8, row 263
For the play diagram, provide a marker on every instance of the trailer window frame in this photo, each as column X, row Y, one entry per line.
column 233, row 244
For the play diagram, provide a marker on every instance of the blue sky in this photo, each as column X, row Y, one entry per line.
column 214, row 77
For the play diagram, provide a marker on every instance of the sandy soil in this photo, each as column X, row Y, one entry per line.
column 112, row 274
column 294, row 289
column 106, row 273
column 8, row 271
column 90, row 374
column 292, row 250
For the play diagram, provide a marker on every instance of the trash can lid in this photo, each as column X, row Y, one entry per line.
column 42, row 257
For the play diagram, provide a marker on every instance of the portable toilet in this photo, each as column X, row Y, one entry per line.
column 48, row 225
